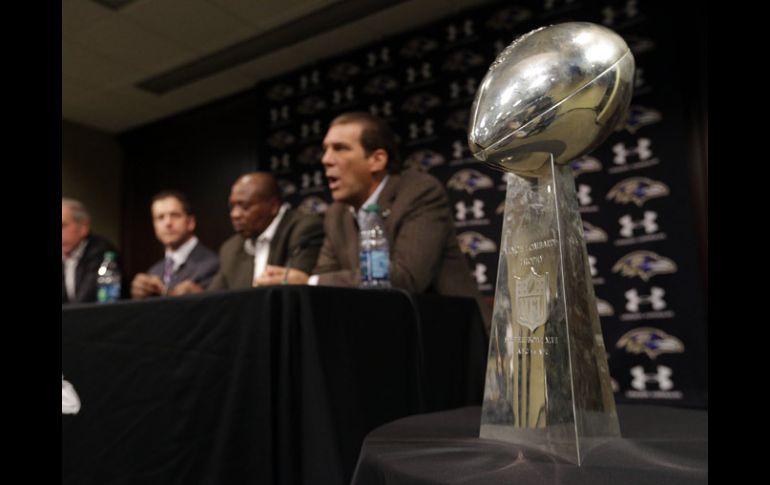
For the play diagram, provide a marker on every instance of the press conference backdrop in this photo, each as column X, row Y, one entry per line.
column 633, row 191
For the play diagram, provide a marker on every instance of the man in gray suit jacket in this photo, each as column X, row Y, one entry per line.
column 268, row 232
column 188, row 266
column 362, row 165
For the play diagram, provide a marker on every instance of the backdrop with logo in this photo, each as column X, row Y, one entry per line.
column 634, row 195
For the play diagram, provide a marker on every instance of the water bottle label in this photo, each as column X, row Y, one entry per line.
column 365, row 264
column 108, row 293
column 374, row 265
column 380, row 263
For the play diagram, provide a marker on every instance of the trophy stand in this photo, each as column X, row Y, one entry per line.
column 547, row 383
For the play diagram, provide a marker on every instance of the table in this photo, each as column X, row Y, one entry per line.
column 659, row 446
column 270, row 385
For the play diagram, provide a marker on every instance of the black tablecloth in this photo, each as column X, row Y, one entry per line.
column 660, row 446
column 276, row 385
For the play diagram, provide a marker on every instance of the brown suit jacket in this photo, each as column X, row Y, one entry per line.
column 236, row 267
column 424, row 254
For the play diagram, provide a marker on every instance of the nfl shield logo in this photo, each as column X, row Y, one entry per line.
column 532, row 300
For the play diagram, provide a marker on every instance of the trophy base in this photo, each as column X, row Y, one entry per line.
column 547, row 384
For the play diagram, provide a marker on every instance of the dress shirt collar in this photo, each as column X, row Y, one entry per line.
column 182, row 252
column 77, row 253
column 267, row 235
column 371, row 200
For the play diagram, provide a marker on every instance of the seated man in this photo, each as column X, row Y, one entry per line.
column 362, row 166
column 81, row 253
column 267, row 232
column 188, row 266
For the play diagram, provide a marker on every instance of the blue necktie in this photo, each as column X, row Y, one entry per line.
column 168, row 270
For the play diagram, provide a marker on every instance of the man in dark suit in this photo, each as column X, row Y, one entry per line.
column 268, row 232
column 188, row 266
column 81, row 253
column 363, row 167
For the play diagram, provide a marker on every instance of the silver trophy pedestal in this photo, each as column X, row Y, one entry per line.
column 547, row 382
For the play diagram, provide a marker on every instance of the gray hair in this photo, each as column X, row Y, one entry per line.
column 79, row 211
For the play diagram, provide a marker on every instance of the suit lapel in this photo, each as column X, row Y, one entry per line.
column 385, row 201
column 277, row 255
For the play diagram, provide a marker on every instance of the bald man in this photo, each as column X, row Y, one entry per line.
column 267, row 231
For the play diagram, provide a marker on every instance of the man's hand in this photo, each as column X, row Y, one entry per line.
column 145, row 285
column 276, row 275
column 186, row 287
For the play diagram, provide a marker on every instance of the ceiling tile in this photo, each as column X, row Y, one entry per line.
column 197, row 24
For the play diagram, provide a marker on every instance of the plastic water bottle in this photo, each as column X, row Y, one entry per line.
column 108, row 280
column 374, row 253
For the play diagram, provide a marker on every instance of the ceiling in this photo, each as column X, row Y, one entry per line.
column 149, row 59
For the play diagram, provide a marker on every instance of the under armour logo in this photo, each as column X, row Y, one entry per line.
column 638, row 78
column 611, row 15
column 551, row 4
column 374, row 58
column 662, row 377
column 307, row 80
column 310, row 129
column 279, row 162
column 642, row 150
column 453, row 31
column 655, row 298
column 458, row 149
column 583, row 194
column 424, row 73
column 385, row 109
column 480, row 273
column 462, row 210
column 426, row 129
column 340, row 95
column 316, row 179
column 277, row 114
column 456, row 89
column 627, row 225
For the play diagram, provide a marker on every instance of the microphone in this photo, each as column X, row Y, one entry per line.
column 314, row 239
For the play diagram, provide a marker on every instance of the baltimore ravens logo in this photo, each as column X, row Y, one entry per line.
column 279, row 92
column 421, row 103
column 593, row 234
column 287, row 188
column 644, row 264
column 638, row 45
column 310, row 155
column 639, row 116
column 464, row 60
column 280, row 139
column 469, row 180
column 585, row 164
column 458, row 120
column 313, row 205
column 424, row 160
column 310, row 105
column 418, row 47
column 603, row 308
column 380, row 85
column 508, row 18
column 637, row 190
column 343, row 71
column 651, row 341
column 473, row 243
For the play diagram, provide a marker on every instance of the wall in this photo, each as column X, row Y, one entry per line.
column 92, row 172
column 201, row 153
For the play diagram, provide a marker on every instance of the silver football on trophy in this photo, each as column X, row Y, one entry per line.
column 557, row 90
